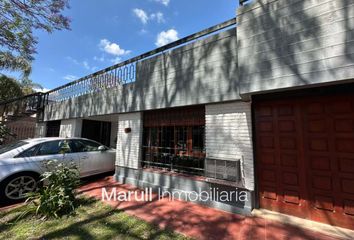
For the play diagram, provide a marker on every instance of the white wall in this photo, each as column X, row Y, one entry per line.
column 114, row 130
column 283, row 44
column 41, row 130
column 229, row 135
column 70, row 128
column 204, row 71
column 129, row 144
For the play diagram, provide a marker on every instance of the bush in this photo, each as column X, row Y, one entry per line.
column 5, row 132
column 57, row 196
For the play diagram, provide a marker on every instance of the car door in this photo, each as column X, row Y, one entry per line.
column 92, row 160
column 58, row 150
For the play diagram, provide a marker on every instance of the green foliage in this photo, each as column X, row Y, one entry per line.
column 15, row 63
column 19, row 18
column 57, row 197
column 5, row 132
column 27, row 86
column 9, row 88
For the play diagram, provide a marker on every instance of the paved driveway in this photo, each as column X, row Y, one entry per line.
column 195, row 220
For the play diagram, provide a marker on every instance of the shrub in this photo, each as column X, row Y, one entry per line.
column 57, row 196
column 5, row 132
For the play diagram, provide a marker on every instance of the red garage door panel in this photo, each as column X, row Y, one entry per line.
column 305, row 155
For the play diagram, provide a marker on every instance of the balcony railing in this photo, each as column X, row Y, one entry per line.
column 108, row 78
column 121, row 73
column 111, row 77
column 23, row 106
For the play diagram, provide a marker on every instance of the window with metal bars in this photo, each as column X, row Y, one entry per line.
column 175, row 148
column 174, row 140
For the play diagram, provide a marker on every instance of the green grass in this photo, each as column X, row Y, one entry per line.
column 93, row 220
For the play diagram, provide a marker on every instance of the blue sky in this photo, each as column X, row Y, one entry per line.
column 108, row 31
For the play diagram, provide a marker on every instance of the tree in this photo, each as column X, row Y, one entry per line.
column 9, row 88
column 18, row 19
column 13, row 63
column 28, row 86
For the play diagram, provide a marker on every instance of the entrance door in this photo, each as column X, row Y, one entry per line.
column 305, row 157
column 97, row 130
column 53, row 128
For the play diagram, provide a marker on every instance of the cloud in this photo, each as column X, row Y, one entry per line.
column 70, row 77
column 141, row 14
column 86, row 65
column 83, row 64
column 166, row 37
column 164, row 2
column 145, row 18
column 43, row 90
column 116, row 60
column 143, row 31
column 73, row 60
column 112, row 48
column 158, row 16
column 99, row 59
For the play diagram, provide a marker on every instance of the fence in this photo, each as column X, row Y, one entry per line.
column 22, row 129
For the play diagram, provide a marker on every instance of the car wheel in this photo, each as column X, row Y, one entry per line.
column 15, row 188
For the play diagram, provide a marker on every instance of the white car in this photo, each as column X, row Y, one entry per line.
column 21, row 163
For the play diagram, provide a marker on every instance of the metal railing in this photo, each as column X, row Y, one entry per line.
column 96, row 82
column 165, row 158
column 114, row 76
column 219, row 171
column 243, row 2
column 124, row 72
column 23, row 106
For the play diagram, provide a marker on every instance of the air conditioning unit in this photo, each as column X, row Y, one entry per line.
column 227, row 170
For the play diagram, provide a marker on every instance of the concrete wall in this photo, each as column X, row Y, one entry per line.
column 70, row 128
column 283, row 44
column 41, row 130
column 200, row 72
column 277, row 44
column 228, row 135
column 114, row 131
column 129, row 144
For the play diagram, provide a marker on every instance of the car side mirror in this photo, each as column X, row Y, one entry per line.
column 102, row 148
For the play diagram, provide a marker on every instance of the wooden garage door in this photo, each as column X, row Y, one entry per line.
column 305, row 157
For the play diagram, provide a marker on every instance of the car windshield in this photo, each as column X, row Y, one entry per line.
column 8, row 147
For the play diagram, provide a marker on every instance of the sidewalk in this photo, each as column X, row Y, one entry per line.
column 198, row 221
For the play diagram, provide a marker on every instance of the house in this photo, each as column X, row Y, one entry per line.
column 263, row 103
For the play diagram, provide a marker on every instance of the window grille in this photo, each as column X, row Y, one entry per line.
column 228, row 170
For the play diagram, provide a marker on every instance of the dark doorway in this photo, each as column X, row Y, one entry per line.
column 53, row 128
column 97, row 130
